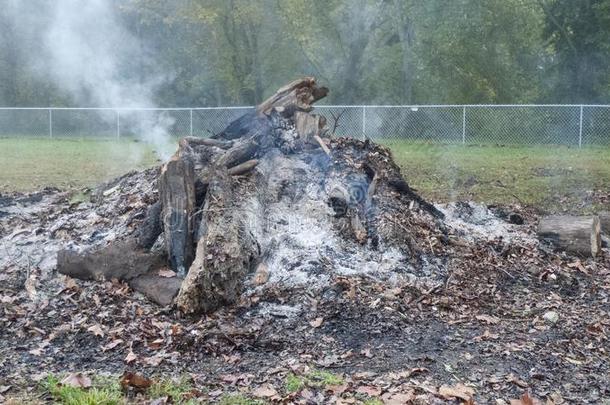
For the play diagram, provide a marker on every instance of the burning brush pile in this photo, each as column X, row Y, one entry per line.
column 272, row 203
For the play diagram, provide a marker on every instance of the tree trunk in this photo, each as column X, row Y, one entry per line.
column 177, row 196
column 577, row 235
column 604, row 221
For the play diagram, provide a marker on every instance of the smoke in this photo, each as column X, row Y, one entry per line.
column 88, row 52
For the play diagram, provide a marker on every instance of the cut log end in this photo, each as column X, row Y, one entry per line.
column 576, row 235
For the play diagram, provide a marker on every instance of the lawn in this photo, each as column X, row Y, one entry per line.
column 31, row 164
column 550, row 177
column 553, row 178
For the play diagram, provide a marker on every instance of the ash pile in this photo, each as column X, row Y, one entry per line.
column 272, row 206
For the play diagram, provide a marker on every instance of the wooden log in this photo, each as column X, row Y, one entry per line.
column 604, row 221
column 576, row 235
column 123, row 260
column 243, row 168
column 224, row 251
column 177, row 196
column 161, row 290
column 307, row 125
column 218, row 143
column 295, row 96
column 150, row 229
column 322, row 144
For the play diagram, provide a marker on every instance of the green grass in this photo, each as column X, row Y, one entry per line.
column 549, row 177
column 315, row 378
column 31, row 164
column 107, row 391
column 104, row 392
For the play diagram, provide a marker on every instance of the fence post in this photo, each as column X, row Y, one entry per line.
column 363, row 122
column 118, row 124
column 464, row 125
column 50, row 123
column 191, row 122
column 580, row 128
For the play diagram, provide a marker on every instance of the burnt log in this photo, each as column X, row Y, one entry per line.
column 121, row 260
column 298, row 95
column 224, row 252
column 177, row 196
column 576, row 235
column 151, row 228
column 161, row 290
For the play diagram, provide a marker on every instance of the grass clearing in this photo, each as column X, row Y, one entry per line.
column 32, row 164
column 549, row 177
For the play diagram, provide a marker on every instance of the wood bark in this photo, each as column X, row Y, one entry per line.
column 604, row 220
column 576, row 235
column 177, row 196
column 295, row 96
column 122, row 260
column 224, row 252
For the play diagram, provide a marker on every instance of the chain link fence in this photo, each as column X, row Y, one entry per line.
column 573, row 125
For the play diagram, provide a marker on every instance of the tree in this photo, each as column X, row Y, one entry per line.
column 578, row 32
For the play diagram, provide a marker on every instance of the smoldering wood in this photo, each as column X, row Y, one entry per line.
column 402, row 187
column 224, row 253
column 122, row 260
column 572, row 234
column 219, row 143
column 177, row 196
column 242, row 168
column 298, row 95
column 201, row 211
column 151, row 227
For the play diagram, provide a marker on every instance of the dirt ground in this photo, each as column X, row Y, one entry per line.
column 513, row 321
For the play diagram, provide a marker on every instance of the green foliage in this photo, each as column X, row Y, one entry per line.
column 293, row 383
column 103, row 392
column 174, row 389
column 228, row 52
column 578, row 33
column 315, row 378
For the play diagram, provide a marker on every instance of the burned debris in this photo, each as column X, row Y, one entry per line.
column 272, row 190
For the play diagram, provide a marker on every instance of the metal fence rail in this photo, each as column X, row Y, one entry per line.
column 574, row 125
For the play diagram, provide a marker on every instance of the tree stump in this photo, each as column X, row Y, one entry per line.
column 577, row 235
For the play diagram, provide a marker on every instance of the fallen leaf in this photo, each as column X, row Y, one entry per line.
column 131, row 356
column 316, row 323
column 134, row 380
column 4, row 388
column 398, row 399
column 36, row 352
column 96, row 330
column 265, row 391
column 167, row 273
column 488, row 318
column 458, row 390
column 369, row 390
column 76, row 380
column 112, row 345
column 524, row 400
column 262, row 275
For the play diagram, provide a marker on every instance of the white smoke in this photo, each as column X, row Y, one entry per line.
column 90, row 54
